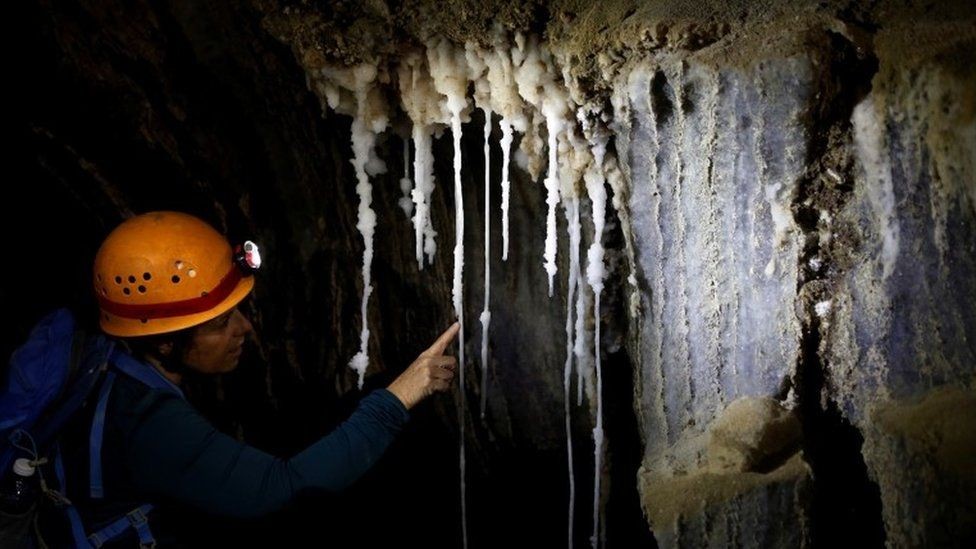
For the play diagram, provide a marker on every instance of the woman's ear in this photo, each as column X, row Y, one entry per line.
column 165, row 349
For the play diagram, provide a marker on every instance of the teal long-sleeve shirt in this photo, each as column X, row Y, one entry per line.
column 159, row 449
column 173, row 451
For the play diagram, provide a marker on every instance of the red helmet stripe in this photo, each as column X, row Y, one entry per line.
column 176, row 308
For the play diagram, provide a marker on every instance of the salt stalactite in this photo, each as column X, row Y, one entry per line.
column 477, row 67
column 578, row 160
column 423, row 175
column 538, row 87
column 486, row 312
column 554, row 125
column 422, row 104
column 576, row 157
column 506, row 101
column 506, row 144
column 369, row 119
column 448, row 68
column 579, row 343
column 594, row 276
column 572, row 216
column 405, row 202
column 579, row 369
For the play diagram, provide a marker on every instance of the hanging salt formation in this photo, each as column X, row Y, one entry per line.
column 538, row 88
column 572, row 215
column 521, row 84
column 576, row 157
column 486, row 312
column 449, row 72
column 422, row 104
column 476, row 69
column 506, row 144
column 506, row 101
column 582, row 162
column 594, row 276
column 368, row 120
column 405, row 202
column 579, row 343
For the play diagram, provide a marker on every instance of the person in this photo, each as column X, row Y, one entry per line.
column 168, row 287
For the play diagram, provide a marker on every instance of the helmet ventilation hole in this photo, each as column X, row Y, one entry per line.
column 144, row 320
column 179, row 265
column 203, row 294
column 99, row 277
column 132, row 279
column 146, row 276
column 142, row 289
column 118, row 280
column 126, row 291
column 192, row 273
column 176, row 279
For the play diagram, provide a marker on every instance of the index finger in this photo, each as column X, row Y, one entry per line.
column 443, row 341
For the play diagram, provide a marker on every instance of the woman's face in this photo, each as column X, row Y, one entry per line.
column 216, row 345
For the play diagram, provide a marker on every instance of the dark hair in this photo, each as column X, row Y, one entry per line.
column 144, row 346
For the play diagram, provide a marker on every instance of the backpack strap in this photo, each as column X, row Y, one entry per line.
column 96, row 438
column 143, row 372
column 47, row 430
column 135, row 519
column 74, row 518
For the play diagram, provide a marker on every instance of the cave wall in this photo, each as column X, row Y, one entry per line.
column 716, row 156
column 790, row 313
column 899, row 341
column 803, row 228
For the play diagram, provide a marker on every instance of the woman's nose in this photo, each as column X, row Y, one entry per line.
column 244, row 326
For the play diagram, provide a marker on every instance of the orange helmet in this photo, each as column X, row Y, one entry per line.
column 165, row 271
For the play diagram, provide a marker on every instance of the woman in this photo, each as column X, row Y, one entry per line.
column 168, row 287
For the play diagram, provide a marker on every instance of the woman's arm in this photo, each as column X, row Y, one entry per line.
column 177, row 453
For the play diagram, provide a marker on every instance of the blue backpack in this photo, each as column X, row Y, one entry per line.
column 50, row 377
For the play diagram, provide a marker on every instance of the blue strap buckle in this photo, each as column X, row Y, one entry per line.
column 136, row 517
column 140, row 523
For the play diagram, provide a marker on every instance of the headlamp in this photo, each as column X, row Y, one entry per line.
column 248, row 257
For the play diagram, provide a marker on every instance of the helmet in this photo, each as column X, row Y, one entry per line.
column 165, row 271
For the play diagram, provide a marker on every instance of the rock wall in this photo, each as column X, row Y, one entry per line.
column 899, row 340
column 789, row 318
column 716, row 157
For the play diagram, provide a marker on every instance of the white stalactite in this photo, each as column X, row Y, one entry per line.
column 369, row 119
column 458, row 292
column 425, row 108
column 448, row 68
column 486, row 312
column 423, row 176
column 579, row 344
column 506, row 144
column 554, row 126
column 406, row 204
column 595, row 273
column 573, row 226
